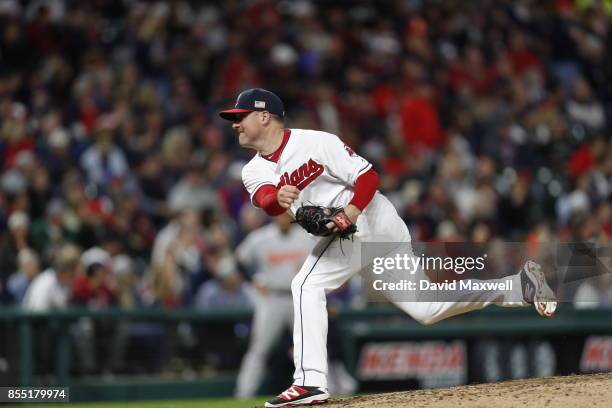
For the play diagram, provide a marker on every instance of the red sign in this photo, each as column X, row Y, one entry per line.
column 597, row 354
column 421, row 360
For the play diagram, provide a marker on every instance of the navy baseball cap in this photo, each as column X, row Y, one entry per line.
column 255, row 99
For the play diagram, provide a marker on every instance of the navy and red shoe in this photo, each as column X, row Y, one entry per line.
column 299, row 395
column 536, row 290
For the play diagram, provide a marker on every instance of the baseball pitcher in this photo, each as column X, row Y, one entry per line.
column 332, row 192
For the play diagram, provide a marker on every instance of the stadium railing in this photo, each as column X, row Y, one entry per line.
column 379, row 323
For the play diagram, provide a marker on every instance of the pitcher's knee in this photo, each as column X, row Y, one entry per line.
column 305, row 286
column 426, row 320
column 424, row 316
column 296, row 285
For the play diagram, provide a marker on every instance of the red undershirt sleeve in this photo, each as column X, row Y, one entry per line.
column 365, row 188
column 266, row 199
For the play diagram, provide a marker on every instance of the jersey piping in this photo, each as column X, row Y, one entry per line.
column 275, row 155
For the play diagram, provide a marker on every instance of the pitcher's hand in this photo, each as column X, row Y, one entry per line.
column 287, row 195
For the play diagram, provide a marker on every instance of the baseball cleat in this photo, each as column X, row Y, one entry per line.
column 536, row 290
column 299, row 395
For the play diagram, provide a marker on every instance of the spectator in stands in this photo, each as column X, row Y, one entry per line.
column 182, row 247
column 104, row 160
column 28, row 268
column 154, row 185
column 40, row 189
column 126, row 278
column 227, row 289
column 14, row 134
column 50, row 233
column 94, row 287
column 81, row 213
column 10, row 245
column 55, row 153
column 127, row 297
column 50, row 290
column 515, row 214
column 163, row 284
column 583, row 109
column 193, row 190
column 187, row 220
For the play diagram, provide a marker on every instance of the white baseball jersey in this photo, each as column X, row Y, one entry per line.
column 46, row 293
column 276, row 257
column 317, row 163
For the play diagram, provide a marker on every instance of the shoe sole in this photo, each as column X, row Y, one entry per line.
column 314, row 400
column 544, row 299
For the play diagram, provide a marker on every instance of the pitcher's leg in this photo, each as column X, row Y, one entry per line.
column 309, row 334
column 465, row 300
column 327, row 268
column 528, row 287
column 431, row 305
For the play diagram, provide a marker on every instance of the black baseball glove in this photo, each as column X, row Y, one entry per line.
column 314, row 219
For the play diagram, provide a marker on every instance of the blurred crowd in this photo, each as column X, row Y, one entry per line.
column 119, row 185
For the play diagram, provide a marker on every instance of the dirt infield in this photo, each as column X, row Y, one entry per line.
column 555, row 392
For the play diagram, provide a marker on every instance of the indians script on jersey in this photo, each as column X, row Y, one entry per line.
column 302, row 176
column 318, row 163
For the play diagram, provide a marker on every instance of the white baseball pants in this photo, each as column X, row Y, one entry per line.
column 332, row 263
column 273, row 313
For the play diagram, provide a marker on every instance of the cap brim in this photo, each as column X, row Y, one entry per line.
column 230, row 114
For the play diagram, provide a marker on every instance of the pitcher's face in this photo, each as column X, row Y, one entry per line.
column 248, row 126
